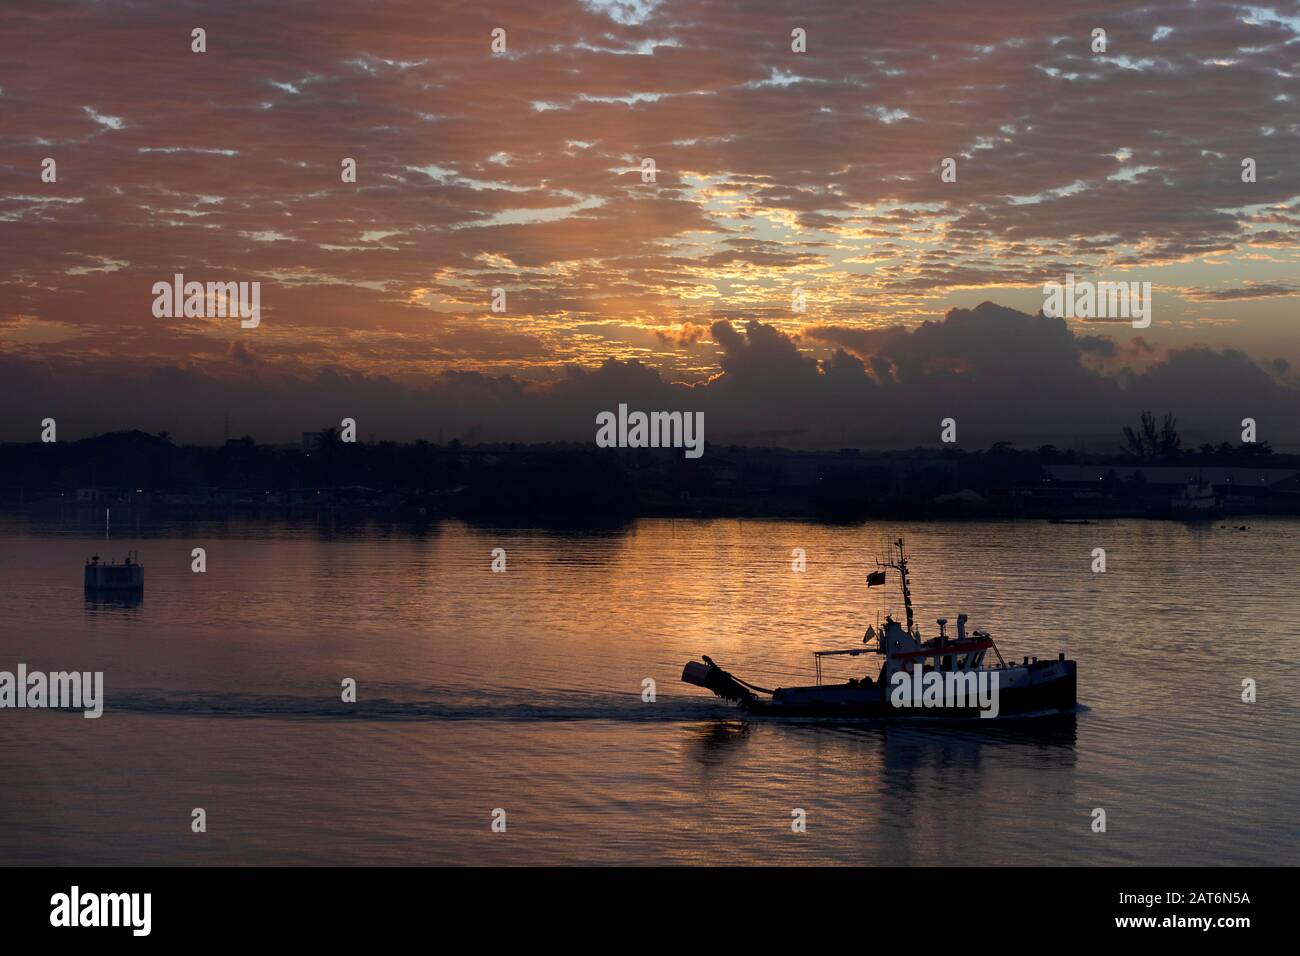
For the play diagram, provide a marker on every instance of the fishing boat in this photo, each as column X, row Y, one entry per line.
column 944, row 677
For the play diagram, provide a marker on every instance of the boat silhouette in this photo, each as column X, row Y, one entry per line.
column 944, row 677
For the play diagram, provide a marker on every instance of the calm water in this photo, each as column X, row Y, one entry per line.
column 522, row 691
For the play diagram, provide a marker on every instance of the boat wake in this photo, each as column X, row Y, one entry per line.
column 551, row 706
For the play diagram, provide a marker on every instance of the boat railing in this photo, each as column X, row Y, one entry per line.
column 847, row 652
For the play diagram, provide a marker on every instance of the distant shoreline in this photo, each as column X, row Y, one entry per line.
column 581, row 485
column 124, row 515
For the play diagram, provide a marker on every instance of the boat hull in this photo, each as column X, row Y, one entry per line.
column 114, row 577
column 1038, row 688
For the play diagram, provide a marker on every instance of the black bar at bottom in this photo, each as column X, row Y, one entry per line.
column 687, row 907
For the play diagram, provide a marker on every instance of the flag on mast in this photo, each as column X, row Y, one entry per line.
column 874, row 578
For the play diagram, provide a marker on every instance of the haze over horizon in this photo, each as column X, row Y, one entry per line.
column 774, row 171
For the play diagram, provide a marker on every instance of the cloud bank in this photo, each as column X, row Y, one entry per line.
column 1002, row 374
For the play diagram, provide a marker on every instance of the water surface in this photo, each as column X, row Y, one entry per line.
column 523, row 691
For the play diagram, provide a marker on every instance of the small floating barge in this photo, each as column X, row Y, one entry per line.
column 127, row 577
column 944, row 677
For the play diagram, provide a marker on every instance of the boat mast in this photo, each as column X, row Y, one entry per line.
column 907, row 593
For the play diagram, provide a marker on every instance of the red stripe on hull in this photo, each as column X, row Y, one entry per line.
column 949, row 649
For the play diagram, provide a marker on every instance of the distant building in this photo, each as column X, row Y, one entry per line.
column 311, row 441
column 1116, row 490
column 1224, row 480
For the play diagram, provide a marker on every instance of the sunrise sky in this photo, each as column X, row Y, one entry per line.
column 775, row 170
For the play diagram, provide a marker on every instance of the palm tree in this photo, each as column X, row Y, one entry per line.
column 1149, row 442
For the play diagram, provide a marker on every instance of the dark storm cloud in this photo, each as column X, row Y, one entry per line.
column 1000, row 373
column 1096, row 345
